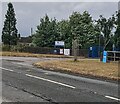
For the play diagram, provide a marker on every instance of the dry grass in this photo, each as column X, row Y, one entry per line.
column 19, row 54
column 85, row 67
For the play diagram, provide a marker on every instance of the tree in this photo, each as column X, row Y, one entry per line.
column 65, row 33
column 82, row 29
column 46, row 32
column 117, row 32
column 106, row 27
column 53, row 32
column 9, row 32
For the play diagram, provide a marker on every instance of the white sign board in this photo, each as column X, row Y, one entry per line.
column 59, row 43
column 91, row 48
column 67, row 52
column 61, row 51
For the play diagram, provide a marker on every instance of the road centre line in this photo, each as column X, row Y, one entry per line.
column 113, row 98
column 59, row 83
column 6, row 69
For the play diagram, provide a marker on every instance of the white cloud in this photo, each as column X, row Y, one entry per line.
column 28, row 14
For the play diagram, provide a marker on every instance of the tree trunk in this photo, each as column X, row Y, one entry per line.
column 75, row 45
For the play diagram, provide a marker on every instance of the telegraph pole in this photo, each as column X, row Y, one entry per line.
column 31, row 31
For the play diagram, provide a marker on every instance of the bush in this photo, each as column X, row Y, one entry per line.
column 5, row 48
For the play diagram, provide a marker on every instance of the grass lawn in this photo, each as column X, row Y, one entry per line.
column 85, row 67
column 22, row 54
column 91, row 67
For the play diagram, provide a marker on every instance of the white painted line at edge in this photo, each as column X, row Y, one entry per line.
column 6, row 69
column 66, row 85
column 113, row 98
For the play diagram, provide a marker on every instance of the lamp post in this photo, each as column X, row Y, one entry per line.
column 99, row 44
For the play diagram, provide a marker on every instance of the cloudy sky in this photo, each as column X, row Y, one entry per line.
column 28, row 14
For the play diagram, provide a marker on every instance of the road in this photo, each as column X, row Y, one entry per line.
column 22, row 82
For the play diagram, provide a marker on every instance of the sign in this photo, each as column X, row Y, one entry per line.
column 91, row 48
column 61, row 51
column 59, row 43
column 104, row 56
column 67, row 52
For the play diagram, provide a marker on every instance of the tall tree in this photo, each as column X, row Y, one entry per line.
column 82, row 31
column 65, row 33
column 46, row 33
column 117, row 32
column 53, row 32
column 40, row 37
column 106, row 27
column 82, row 28
column 10, row 32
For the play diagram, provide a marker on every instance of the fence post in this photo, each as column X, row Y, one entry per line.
column 114, row 55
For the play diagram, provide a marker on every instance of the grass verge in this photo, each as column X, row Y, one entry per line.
column 84, row 67
column 22, row 54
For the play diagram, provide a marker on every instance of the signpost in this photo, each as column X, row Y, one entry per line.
column 104, row 56
column 59, row 43
column 60, row 46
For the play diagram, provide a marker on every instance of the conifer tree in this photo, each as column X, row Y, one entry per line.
column 10, row 32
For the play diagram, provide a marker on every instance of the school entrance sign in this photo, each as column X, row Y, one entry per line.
column 59, row 43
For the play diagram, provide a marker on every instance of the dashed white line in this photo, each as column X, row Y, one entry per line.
column 113, row 98
column 23, row 64
column 59, row 83
column 6, row 69
column 46, row 73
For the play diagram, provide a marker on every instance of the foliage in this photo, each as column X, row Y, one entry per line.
column 25, row 39
column 46, row 32
column 106, row 27
column 10, row 33
column 82, row 28
column 78, row 26
column 117, row 32
column 65, row 33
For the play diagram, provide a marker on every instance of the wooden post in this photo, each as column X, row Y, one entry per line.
column 75, row 49
column 114, row 55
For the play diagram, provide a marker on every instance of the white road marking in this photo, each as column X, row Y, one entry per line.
column 23, row 64
column 110, row 97
column 46, row 73
column 19, row 72
column 59, row 83
column 6, row 69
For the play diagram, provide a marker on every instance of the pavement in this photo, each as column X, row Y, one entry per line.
column 23, row 82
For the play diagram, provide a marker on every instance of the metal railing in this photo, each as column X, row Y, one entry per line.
column 113, row 55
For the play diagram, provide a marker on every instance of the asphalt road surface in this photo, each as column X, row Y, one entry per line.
column 22, row 82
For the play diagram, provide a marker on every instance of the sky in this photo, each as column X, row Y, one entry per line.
column 28, row 14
